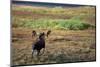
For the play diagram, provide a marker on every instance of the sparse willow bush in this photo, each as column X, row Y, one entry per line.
column 74, row 24
column 71, row 24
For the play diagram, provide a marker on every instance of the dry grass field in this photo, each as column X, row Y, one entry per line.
column 72, row 38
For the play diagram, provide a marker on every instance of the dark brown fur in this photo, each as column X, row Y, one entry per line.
column 39, row 44
column 48, row 32
column 33, row 33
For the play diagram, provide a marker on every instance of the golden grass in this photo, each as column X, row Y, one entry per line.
column 69, row 49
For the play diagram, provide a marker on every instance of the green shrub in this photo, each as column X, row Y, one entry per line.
column 71, row 24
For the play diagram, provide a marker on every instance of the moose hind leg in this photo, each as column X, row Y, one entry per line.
column 32, row 53
column 38, row 52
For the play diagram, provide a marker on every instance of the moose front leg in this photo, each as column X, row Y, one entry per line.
column 32, row 53
column 38, row 52
column 42, row 52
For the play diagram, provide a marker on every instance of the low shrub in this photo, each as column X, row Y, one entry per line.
column 71, row 24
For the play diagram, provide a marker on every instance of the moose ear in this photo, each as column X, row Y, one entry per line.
column 48, row 33
column 34, row 33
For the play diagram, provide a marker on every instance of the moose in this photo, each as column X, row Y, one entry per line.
column 39, row 43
